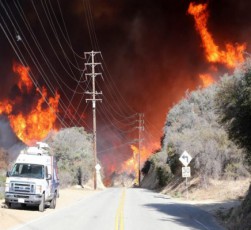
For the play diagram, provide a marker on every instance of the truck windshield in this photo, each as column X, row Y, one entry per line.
column 28, row 170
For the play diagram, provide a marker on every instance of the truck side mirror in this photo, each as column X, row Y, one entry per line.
column 49, row 177
column 7, row 174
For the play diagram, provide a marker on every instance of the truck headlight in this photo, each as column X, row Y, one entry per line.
column 39, row 189
column 7, row 187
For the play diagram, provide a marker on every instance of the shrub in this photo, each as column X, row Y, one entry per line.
column 174, row 164
column 66, row 178
column 192, row 125
column 234, row 107
column 163, row 171
column 73, row 150
column 146, row 167
column 2, row 184
column 163, row 175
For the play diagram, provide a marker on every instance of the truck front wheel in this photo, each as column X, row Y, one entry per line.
column 8, row 205
column 53, row 202
column 42, row 204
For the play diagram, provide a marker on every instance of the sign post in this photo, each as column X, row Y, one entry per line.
column 185, row 159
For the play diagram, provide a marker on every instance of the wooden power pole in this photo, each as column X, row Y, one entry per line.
column 93, row 75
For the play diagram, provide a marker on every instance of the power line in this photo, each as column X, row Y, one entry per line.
column 37, row 62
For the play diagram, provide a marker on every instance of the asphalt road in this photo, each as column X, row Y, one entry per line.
column 125, row 209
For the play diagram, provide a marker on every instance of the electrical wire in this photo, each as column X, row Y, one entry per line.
column 40, row 69
column 23, row 39
column 13, row 45
column 118, row 115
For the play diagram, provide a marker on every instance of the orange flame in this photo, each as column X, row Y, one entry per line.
column 132, row 164
column 5, row 107
column 233, row 54
column 35, row 125
column 206, row 79
column 24, row 84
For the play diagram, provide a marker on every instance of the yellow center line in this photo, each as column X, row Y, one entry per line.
column 119, row 219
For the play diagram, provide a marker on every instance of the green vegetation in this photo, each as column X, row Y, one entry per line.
column 2, row 183
column 73, row 150
column 158, row 163
column 234, row 108
column 214, row 126
column 192, row 125
column 3, row 169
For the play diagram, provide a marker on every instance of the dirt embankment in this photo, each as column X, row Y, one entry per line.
column 222, row 198
column 11, row 218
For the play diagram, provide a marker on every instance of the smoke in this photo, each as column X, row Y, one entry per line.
column 14, row 151
column 9, row 141
column 7, row 136
column 156, row 54
column 152, row 50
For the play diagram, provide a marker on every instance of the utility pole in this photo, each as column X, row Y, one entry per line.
column 93, row 75
column 141, row 128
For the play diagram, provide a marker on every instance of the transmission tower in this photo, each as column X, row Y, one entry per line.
column 94, row 93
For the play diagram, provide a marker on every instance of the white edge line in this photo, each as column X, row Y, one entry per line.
column 201, row 224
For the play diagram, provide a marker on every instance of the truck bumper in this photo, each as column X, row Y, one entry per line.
column 23, row 198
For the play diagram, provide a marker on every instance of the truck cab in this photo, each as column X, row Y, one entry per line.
column 33, row 179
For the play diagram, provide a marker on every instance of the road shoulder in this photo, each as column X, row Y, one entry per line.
column 11, row 218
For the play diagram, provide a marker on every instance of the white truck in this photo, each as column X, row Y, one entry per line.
column 33, row 179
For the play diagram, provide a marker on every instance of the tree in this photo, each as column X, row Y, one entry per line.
column 192, row 125
column 234, row 106
column 3, row 160
column 73, row 150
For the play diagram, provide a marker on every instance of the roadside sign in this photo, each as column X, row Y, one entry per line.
column 97, row 167
column 186, row 172
column 185, row 158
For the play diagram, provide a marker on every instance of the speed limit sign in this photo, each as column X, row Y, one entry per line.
column 186, row 172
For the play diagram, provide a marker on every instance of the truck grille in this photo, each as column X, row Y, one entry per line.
column 22, row 187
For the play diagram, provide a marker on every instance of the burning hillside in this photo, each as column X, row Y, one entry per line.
column 30, row 122
column 230, row 57
column 151, row 60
